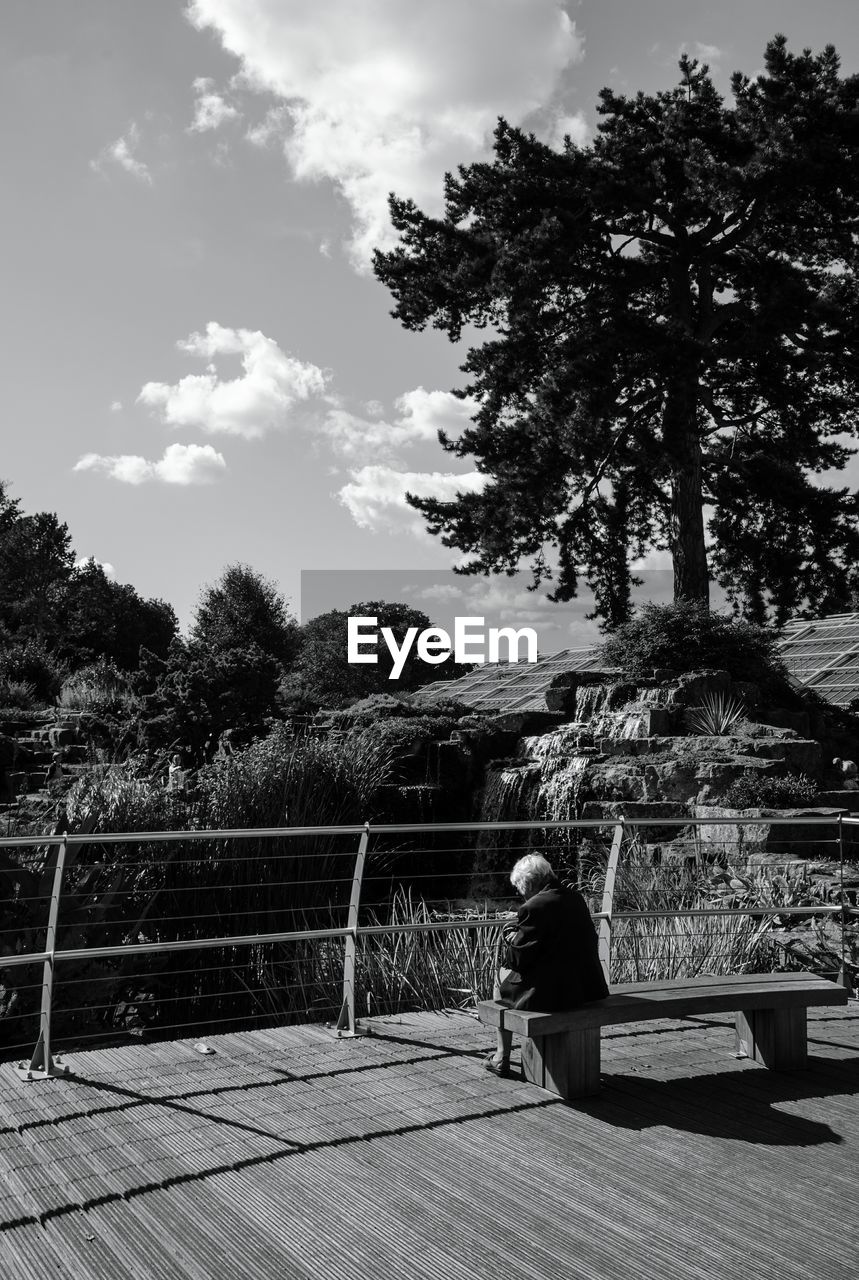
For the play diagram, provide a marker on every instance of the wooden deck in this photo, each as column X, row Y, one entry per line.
column 291, row 1154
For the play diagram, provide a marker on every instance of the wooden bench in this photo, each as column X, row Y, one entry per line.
column 561, row 1051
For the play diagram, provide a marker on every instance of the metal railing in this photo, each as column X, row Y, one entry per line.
column 61, row 853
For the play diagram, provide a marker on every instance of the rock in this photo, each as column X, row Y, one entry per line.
column 62, row 736
column 694, row 685
column 801, row 755
column 784, row 718
column 650, row 809
column 526, row 723
column 841, row 799
column 786, row 838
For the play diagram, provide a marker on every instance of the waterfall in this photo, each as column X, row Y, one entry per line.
column 508, row 796
column 591, row 700
column 507, row 793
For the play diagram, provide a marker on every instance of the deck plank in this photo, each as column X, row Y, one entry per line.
column 290, row 1153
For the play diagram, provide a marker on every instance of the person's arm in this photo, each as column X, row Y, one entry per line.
column 528, row 946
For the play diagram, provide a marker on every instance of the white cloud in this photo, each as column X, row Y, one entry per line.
column 211, row 109
column 376, row 495
column 575, row 125
column 108, row 568
column 271, row 127
column 384, row 95
column 709, row 53
column 182, row 464
column 116, row 406
column 421, row 415
column 121, row 152
column 263, row 398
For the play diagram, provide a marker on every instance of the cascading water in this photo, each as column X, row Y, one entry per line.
column 508, row 796
column 546, row 779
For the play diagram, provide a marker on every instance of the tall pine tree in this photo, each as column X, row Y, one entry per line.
column 672, row 340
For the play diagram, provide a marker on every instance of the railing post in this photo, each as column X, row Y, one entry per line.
column 346, row 1024
column 843, row 974
column 42, row 1064
column 608, row 899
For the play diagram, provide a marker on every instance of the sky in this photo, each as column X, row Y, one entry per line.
column 198, row 366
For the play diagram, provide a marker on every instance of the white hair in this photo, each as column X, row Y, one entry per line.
column 531, row 873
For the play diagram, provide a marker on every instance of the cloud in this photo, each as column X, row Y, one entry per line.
column 121, row 152
column 376, row 495
column 421, row 415
column 575, row 125
column 709, row 53
column 263, row 398
column 116, row 406
column 182, row 464
column 389, row 96
column 211, row 109
column 108, row 568
column 271, row 128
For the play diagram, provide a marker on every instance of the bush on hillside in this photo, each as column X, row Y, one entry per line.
column 29, row 662
column 99, row 687
column 688, row 636
column 18, row 695
column 754, row 791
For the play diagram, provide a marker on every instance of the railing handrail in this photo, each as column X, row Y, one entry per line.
column 413, row 828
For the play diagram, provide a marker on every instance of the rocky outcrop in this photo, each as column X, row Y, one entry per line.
column 29, row 747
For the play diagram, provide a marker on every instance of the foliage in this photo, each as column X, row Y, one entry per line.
column 30, row 662
column 100, row 687
column 762, row 791
column 382, row 706
column 687, row 636
column 109, row 620
column 36, row 559
column 244, row 609
column 791, row 885
column 18, row 694
column 195, row 693
column 717, row 715
column 330, row 680
column 431, row 970
column 75, row 611
column 672, row 325
column 406, row 733
column 192, row 889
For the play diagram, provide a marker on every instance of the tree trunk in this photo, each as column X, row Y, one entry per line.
column 688, row 549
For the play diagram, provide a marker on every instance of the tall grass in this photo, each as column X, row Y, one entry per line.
column 450, row 968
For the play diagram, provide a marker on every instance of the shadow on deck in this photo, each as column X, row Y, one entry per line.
column 291, row 1153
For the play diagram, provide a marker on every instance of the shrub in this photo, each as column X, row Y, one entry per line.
column 755, row 791
column 29, row 662
column 19, row 695
column 687, row 636
column 96, row 687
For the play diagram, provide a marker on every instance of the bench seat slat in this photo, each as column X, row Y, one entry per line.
column 645, row 1001
column 721, row 980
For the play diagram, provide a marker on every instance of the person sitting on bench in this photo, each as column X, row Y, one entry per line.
column 551, row 959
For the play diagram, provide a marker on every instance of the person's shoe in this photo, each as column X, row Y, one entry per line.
column 497, row 1068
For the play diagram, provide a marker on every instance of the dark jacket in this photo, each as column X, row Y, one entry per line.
column 553, row 954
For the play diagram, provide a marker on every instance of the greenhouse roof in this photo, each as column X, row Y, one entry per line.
column 823, row 654
column 509, row 686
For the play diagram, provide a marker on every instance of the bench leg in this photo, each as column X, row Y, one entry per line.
column 566, row 1064
column 775, row 1037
